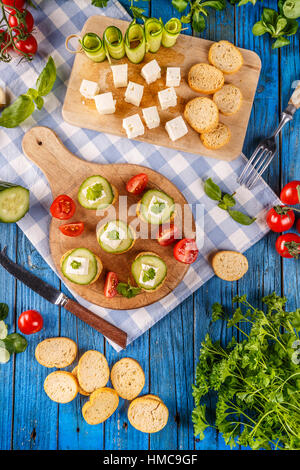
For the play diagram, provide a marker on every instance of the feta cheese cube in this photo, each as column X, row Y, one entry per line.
column 105, row 103
column 151, row 72
column 176, row 128
column 133, row 126
column 173, row 76
column 89, row 89
column 120, row 75
column 134, row 93
column 151, row 117
column 167, row 98
column 77, row 265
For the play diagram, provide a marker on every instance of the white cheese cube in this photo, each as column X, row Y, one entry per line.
column 167, row 98
column 134, row 93
column 173, row 76
column 89, row 89
column 105, row 103
column 151, row 117
column 151, row 72
column 176, row 128
column 77, row 265
column 120, row 75
column 133, row 126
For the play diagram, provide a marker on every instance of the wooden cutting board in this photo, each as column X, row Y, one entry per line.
column 187, row 51
column 65, row 172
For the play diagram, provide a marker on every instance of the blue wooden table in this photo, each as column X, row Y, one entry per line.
column 169, row 351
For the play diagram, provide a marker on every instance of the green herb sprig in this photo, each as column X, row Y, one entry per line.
column 24, row 106
column 256, row 379
column 226, row 202
column 127, row 290
column 9, row 343
column 276, row 25
column 198, row 11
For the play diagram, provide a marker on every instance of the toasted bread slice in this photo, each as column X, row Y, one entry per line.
column 56, row 352
column 216, row 138
column 148, row 414
column 93, row 371
column 202, row 114
column 205, row 78
column 229, row 265
column 225, row 56
column 61, row 386
column 101, row 405
column 80, row 390
column 228, row 99
column 128, row 378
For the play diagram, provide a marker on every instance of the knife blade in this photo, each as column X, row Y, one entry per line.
column 56, row 297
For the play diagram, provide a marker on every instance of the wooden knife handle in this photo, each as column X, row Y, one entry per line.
column 107, row 329
column 295, row 98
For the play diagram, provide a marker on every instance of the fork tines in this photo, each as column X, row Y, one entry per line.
column 256, row 165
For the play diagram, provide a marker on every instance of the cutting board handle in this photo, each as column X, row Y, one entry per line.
column 42, row 146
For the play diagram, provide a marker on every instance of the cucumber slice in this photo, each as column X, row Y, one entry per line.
column 3, row 330
column 156, row 207
column 96, row 193
column 4, row 356
column 115, row 237
column 153, row 32
column 113, row 43
column 82, row 279
column 14, row 202
column 171, row 31
column 135, row 43
column 93, row 47
column 149, row 271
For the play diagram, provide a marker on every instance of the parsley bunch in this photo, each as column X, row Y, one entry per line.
column 256, row 379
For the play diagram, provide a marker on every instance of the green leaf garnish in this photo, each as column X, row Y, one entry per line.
column 158, row 207
column 149, row 275
column 75, row 264
column 127, row 290
column 113, row 235
column 94, row 192
column 3, row 311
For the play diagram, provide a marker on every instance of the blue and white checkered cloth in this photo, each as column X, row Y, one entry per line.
column 55, row 21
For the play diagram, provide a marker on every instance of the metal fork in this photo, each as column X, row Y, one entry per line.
column 267, row 149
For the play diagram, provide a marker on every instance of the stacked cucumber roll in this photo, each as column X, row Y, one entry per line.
column 96, row 193
column 116, row 237
column 149, row 271
column 14, row 202
column 81, row 266
column 156, row 207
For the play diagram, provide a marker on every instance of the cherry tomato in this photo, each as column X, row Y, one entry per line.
column 111, row 283
column 280, row 218
column 288, row 245
column 30, row 322
column 18, row 4
column 167, row 234
column 4, row 38
column 63, row 207
column 72, row 230
column 186, row 251
column 290, row 193
column 23, row 20
column 137, row 183
column 28, row 45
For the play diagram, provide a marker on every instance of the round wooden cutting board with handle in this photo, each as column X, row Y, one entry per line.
column 65, row 173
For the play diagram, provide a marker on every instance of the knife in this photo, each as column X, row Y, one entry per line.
column 58, row 298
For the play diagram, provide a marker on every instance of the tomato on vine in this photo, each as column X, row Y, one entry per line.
column 18, row 4
column 280, row 218
column 26, row 46
column 288, row 245
column 21, row 21
column 290, row 193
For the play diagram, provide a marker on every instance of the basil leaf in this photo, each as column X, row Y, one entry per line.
column 212, row 190
column 15, row 343
column 3, row 311
column 280, row 25
column 259, row 29
column 46, row 80
column 187, row 18
column 198, row 22
column 269, row 16
column 215, row 4
column 241, row 218
column 17, row 112
column 180, row 5
column 138, row 13
column 100, row 3
column 229, row 200
column 292, row 27
column 280, row 42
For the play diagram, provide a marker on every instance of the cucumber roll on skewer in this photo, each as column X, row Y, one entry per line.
column 135, row 43
column 113, row 43
column 171, row 31
column 116, row 237
column 149, row 271
column 93, row 47
column 153, row 33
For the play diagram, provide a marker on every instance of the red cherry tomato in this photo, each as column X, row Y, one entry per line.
column 23, row 21
column 18, row 4
column 4, row 38
column 30, row 322
column 63, row 207
column 298, row 225
column 28, row 45
column 186, row 251
column 290, row 193
column 167, row 234
column 111, row 283
column 288, row 245
column 280, row 218
column 72, row 230
column 137, row 183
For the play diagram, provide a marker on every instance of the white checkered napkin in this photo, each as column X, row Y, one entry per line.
column 55, row 20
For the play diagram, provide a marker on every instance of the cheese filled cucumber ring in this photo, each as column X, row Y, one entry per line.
column 156, row 207
column 149, row 271
column 81, row 266
column 96, row 193
column 116, row 237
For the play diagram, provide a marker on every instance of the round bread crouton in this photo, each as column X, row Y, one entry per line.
column 225, row 56
column 61, row 386
column 216, row 138
column 228, row 99
column 205, row 78
column 229, row 265
column 128, row 378
column 202, row 114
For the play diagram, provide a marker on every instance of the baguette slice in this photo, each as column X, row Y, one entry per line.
column 225, row 56
column 228, row 99
column 93, row 371
column 229, row 265
column 128, row 378
column 148, row 414
column 61, row 386
column 205, row 78
column 216, row 138
column 202, row 114
column 80, row 390
column 101, row 405
column 56, row 352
